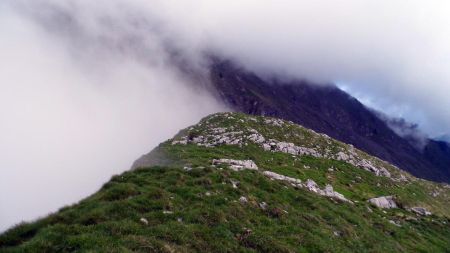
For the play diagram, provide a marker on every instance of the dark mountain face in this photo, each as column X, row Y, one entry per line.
column 329, row 110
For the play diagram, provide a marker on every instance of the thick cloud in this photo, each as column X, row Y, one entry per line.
column 79, row 102
column 87, row 86
column 395, row 54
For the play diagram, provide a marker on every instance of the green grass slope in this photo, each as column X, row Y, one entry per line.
column 192, row 205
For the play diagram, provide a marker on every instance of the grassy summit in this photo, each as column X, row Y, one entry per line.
column 236, row 183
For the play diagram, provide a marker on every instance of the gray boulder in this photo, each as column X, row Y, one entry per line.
column 237, row 165
column 385, row 202
column 421, row 211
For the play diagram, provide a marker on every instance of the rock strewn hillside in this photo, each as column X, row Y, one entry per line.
column 327, row 109
column 238, row 183
column 275, row 136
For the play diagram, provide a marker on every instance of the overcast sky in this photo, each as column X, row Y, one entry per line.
column 88, row 86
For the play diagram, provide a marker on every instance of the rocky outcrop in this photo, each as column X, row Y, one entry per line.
column 328, row 191
column 420, row 211
column 243, row 200
column 275, row 122
column 237, row 165
column 291, row 148
column 352, row 158
column 310, row 185
column 228, row 136
column 275, row 176
column 384, row 202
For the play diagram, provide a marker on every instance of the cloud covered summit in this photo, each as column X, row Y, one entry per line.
column 87, row 86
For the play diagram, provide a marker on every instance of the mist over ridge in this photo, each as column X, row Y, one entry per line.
column 88, row 86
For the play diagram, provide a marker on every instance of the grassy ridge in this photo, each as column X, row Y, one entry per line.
column 109, row 221
column 199, row 210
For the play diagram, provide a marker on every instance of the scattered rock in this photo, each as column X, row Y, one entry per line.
column 243, row 200
column 435, row 194
column 383, row 172
column 275, row 122
column 341, row 156
column 221, row 135
column 266, row 147
column 276, row 176
column 312, row 186
column 328, row 191
column 263, row 205
column 401, row 178
column 234, row 183
column 257, row 138
column 385, row 202
column 181, row 142
column 219, row 130
column 367, row 165
column 291, row 148
column 144, row 221
column 353, row 158
column 394, row 223
column 237, row 165
column 421, row 211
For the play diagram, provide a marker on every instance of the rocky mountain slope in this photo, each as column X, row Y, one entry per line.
column 327, row 109
column 239, row 183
